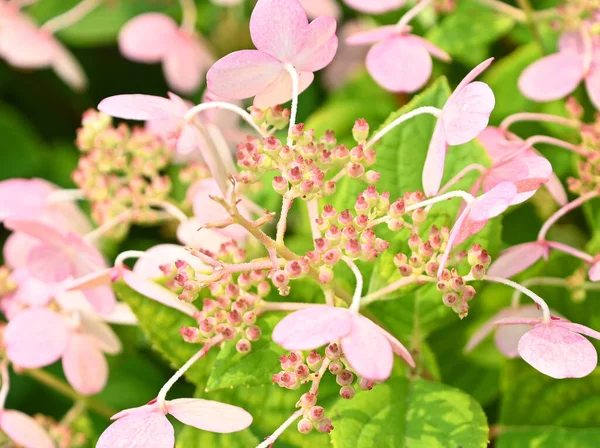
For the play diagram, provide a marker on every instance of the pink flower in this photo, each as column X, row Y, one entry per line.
column 282, row 35
column 53, row 257
column 464, row 116
column 24, row 45
column 148, row 426
column 516, row 259
column 24, row 430
column 316, row 8
column 399, row 61
column 375, row 6
column 594, row 272
column 506, row 336
column 513, row 162
column 151, row 38
column 557, row 75
column 368, row 348
column 556, row 348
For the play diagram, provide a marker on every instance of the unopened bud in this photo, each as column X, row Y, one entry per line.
column 305, row 426
column 316, row 413
column 190, row 334
column 243, row 346
column 345, row 377
column 478, row 271
column 335, row 367
column 469, row 292
column 450, row 299
column 253, row 333
column 366, row 384
column 325, row 426
column 307, row 400
column 333, row 351
column 314, row 360
column 347, row 392
column 360, row 131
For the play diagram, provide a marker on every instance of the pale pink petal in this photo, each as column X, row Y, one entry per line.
column 186, row 62
column 99, row 277
column 24, row 430
column 139, row 430
column 507, row 336
column 494, row 202
column 86, row 258
column 102, row 298
column 571, row 42
column 557, row 190
column 558, row 352
column 187, row 142
column 144, row 409
column 243, row 74
column 31, row 290
column 149, row 265
column 16, row 249
column 433, row 171
column 24, row 45
column 316, row 8
column 319, row 47
column 594, row 272
column 576, row 327
column 147, row 37
column 158, row 293
column 279, row 28
column 102, row 335
column 433, row 50
column 121, row 315
column 468, row 228
column 50, row 264
column 23, row 198
column 312, row 328
column 38, row 230
column 138, row 107
column 592, row 84
column 552, row 77
column 36, row 337
column 372, row 36
column 84, row 365
column 478, row 70
column 397, row 346
column 73, row 301
column 280, row 90
column 487, row 328
column 190, row 234
column 374, row 6
column 467, row 112
column 209, row 415
column 69, row 69
column 399, row 64
column 516, row 259
column 368, row 351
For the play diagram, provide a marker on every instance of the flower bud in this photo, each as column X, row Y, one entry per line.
column 329, row 188
column 325, row 274
column 419, row 216
column 397, row 209
column 345, row 378
column 305, row 426
column 289, row 380
column 190, row 334
column 249, row 318
column 450, row 298
column 307, row 400
column 332, row 256
column 484, row 258
column 469, row 292
column 302, row 371
column 280, row 185
column 366, row 384
column 280, row 279
column 325, row 426
column 293, row 268
column 253, row 333
column 335, row 367
column 405, row 270
column 478, row 271
column 457, row 284
column 431, row 268
column 474, row 253
column 234, row 317
column 347, row 392
column 333, row 351
column 360, row 130
column 400, row 259
column 243, row 346
column 314, row 360
column 316, row 413
column 372, row 177
column 395, row 224
column 226, row 331
column 355, row 170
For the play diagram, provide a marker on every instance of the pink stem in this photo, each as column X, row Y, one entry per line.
column 528, row 116
column 460, row 176
column 571, row 251
column 563, row 211
column 453, row 235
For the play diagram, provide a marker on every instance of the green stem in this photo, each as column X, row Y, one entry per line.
column 63, row 388
column 530, row 15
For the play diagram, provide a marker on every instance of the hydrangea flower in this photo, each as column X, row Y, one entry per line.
column 284, row 38
column 368, row 348
column 517, row 258
column 399, row 61
column 557, row 75
column 148, row 426
column 151, row 38
column 316, row 8
column 463, row 117
column 24, row 430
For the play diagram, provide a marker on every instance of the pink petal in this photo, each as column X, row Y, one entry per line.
column 316, row 8
column 186, row 62
column 242, row 74
column 556, row 190
column 558, row 352
column 516, row 259
column 187, row 142
column 312, row 328
column 507, row 336
column 50, row 264
column 468, row 228
column 397, row 346
column 100, row 333
column 36, row 337
column 279, row 28
column 374, row 6
column 280, row 90
column 86, row 258
column 32, row 291
column 23, row 198
column 571, row 42
column 147, row 37
column 319, row 47
column 158, row 293
column 592, row 84
column 121, row 315
column 467, row 112
column 138, row 107
column 577, row 328
column 149, row 265
column 433, row 171
column 433, row 50
column 497, row 145
column 209, row 415
column 69, row 69
column 487, row 328
column 552, row 77
column 594, row 272
column 24, row 430
column 494, row 202
column 399, row 64
column 368, row 351
column 149, row 429
column 372, row 36
column 16, row 249
column 212, row 159
column 102, row 298
column 99, row 277
column 24, row 45
column 84, row 365
column 38, row 230
column 207, row 239
column 472, row 75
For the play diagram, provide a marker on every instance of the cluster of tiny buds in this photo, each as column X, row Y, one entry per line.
column 65, row 436
column 302, row 168
column 298, row 370
column 7, row 284
column 193, row 172
column 121, row 169
column 588, row 171
column 573, row 14
column 270, row 119
column 424, row 253
column 293, row 270
column 456, row 292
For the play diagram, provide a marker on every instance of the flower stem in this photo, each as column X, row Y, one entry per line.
column 107, row 226
column 282, row 223
column 412, row 13
column 66, row 195
column 401, row 119
column 273, row 437
column 461, row 174
column 287, row 306
column 452, row 194
column 375, row 296
column 355, row 305
column 313, row 214
column 295, row 93
column 227, row 106
column 63, row 388
column 563, row 211
column 530, row 18
column 530, row 116
column 70, row 17
column 571, row 251
column 509, row 10
column 314, row 388
column 537, row 299
column 190, row 15
column 5, row 376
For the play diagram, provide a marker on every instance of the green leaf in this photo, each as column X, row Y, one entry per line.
column 409, row 414
column 467, row 33
column 537, row 410
column 233, row 369
column 161, row 326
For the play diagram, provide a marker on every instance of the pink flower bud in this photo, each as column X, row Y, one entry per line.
column 329, row 212
column 325, row 426
column 294, row 269
column 345, row 218
column 368, row 236
column 349, row 233
column 314, row 360
column 357, row 154
column 224, row 302
column 258, row 115
column 189, row 334
column 457, row 284
column 355, row 170
column 450, row 298
column 397, row 209
column 307, row 400
column 280, row 185
column 372, row 177
column 328, row 138
column 295, row 358
column 332, row 256
column 295, row 175
column 353, row 248
column 226, row 331
column 462, row 309
column 333, row 235
column 253, row 333
column 325, row 274
column 333, row 351
column 361, row 221
column 419, row 216
column 335, row 367
column 313, row 257
column 405, row 270
column 361, row 205
column 234, row 317
column 316, row 413
column 285, row 362
column 469, row 292
column 305, row 426
column 366, row 384
column 243, row 346
column 426, row 250
column 263, row 288
column 322, row 224
column 289, row 380
column 445, row 275
column 280, row 279
column 414, row 241
column 400, row 259
column 345, row 378
column 395, row 225
column 302, row 371
column 360, row 131
column 329, row 188
column 484, row 258
column 249, row 318
column 431, row 268
column 307, row 186
column 297, row 130
column 347, row 392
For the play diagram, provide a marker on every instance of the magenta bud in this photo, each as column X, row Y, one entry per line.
column 469, row 292
column 294, row 269
column 316, row 413
column 331, row 257
column 305, row 426
column 345, row 218
column 307, row 400
column 450, row 298
column 484, row 258
column 329, row 188
column 253, row 333
column 302, row 371
column 321, row 244
column 458, row 284
column 325, row 425
column 372, row 177
column 314, row 360
column 431, row 268
column 366, row 384
column 289, row 380
column 325, row 274
column 207, row 326
column 280, row 279
column 345, row 378
column 360, row 131
column 226, row 331
column 355, row 170
column 234, row 317
column 335, row 367
column 397, row 209
column 243, row 346
column 405, row 270
column 224, row 302
column 189, row 334
column 333, row 351
column 347, row 392
column 445, row 275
